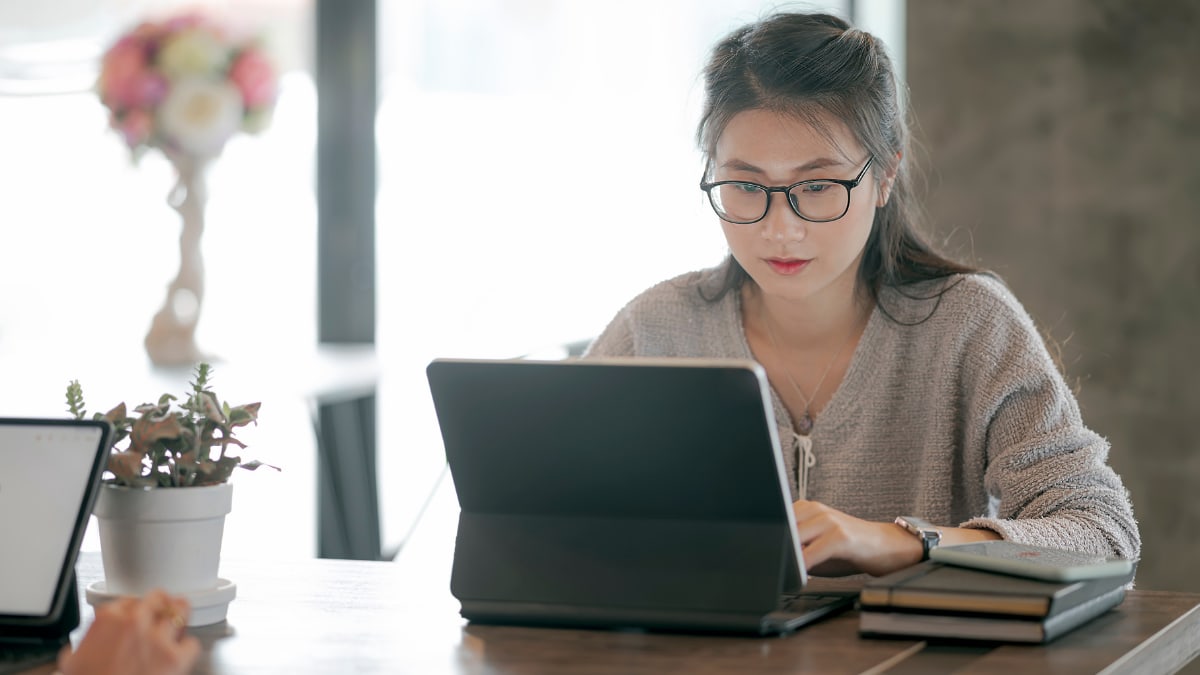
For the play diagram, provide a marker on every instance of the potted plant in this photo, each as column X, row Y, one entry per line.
column 166, row 492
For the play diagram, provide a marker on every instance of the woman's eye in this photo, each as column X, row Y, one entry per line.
column 748, row 188
column 815, row 188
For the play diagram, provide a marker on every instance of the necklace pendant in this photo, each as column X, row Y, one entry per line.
column 804, row 425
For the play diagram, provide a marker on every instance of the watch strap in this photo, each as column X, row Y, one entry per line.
column 928, row 534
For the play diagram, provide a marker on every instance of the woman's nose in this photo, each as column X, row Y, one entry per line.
column 781, row 223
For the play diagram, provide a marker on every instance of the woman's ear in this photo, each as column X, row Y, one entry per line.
column 889, row 179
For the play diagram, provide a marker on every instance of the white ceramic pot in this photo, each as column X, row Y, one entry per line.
column 167, row 538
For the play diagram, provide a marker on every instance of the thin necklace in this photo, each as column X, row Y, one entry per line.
column 804, row 425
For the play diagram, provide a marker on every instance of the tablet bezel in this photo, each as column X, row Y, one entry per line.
column 49, row 624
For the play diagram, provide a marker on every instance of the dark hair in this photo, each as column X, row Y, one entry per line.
column 817, row 67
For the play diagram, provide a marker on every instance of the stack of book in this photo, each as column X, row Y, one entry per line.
column 938, row 600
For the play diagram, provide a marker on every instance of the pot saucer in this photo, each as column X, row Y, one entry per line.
column 209, row 605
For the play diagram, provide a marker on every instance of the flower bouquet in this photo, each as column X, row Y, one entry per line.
column 185, row 86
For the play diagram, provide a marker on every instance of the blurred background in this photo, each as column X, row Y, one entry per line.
column 435, row 182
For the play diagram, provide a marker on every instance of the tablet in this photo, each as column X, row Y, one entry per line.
column 50, row 471
column 1035, row 562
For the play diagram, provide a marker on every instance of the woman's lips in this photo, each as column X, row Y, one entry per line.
column 788, row 266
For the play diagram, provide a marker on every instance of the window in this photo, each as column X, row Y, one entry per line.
column 496, row 119
column 90, row 244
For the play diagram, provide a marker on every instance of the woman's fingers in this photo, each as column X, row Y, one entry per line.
column 135, row 636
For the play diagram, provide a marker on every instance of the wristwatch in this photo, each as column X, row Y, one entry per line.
column 922, row 529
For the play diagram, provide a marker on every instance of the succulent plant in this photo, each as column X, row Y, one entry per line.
column 170, row 444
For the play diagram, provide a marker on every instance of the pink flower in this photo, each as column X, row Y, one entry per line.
column 127, row 79
column 123, row 67
column 135, row 126
column 254, row 76
column 147, row 31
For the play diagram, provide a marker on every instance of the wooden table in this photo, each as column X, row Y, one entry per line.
column 342, row 616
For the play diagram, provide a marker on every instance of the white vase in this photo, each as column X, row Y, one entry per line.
column 171, row 340
column 168, row 538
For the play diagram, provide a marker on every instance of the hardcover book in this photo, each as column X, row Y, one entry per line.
column 932, row 599
column 934, row 586
column 994, row 628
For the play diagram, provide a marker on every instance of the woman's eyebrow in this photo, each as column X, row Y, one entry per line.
column 819, row 163
column 739, row 165
column 812, row 165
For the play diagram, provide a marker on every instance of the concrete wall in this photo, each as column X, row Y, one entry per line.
column 1061, row 143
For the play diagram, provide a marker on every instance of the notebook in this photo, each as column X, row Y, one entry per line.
column 621, row 493
column 49, row 475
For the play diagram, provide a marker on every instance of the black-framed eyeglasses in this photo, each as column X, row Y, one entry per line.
column 819, row 200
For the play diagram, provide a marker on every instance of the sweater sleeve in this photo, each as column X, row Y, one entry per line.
column 615, row 340
column 1047, row 474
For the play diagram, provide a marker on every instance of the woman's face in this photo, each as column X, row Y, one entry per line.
column 788, row 257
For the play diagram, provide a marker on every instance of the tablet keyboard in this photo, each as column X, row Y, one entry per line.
column 807, row 602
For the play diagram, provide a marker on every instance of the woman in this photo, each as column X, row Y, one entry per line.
column 905, row 384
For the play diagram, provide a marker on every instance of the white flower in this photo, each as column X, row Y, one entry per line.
column 193, row 52
column 199, row 115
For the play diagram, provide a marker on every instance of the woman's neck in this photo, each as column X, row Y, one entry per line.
column 812, row 323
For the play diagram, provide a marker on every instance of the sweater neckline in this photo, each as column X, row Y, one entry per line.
column 837, row 410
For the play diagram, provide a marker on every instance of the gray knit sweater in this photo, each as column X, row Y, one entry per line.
column 963, row 419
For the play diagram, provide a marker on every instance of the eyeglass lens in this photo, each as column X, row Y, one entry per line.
column 747, row 202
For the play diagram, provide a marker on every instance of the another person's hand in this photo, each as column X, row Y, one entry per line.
column 135, row 636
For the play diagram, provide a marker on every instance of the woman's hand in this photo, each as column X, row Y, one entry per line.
column 135, row 636
column 837, row 544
